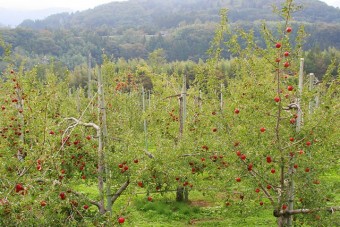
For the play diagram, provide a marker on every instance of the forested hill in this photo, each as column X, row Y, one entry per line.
column 135, row 28
column 154, row 15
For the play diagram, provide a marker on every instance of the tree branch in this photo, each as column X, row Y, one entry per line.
column 78, row 122
column 120, row 191
column 149, row 154
column 93, row 202
column 304, row 211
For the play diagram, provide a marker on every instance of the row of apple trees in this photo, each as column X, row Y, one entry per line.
column 262, row 134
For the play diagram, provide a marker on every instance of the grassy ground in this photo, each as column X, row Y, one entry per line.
column 201, row 210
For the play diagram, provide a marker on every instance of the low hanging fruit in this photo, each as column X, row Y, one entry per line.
column 121, row 220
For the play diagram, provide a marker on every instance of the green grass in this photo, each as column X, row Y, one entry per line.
column 165, row 211
column 202, row 210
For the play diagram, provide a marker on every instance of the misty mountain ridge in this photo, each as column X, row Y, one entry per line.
column 182, row 29
column 12, row 17
column 159, row 14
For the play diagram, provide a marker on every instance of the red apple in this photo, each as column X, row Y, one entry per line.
column 290, row 88
column 308, row 143
column 243, row 157
column 269, row 159
column 238, row 153
column 277, row 99
column 286, row 64
column 257, row 190
column 250, row 167
column 261, row 203
column 295, row 166
column 277, row 60
column 136, row 161
column 140, row 184
column 236, row 111
column 18, row 188
column 269, row 186
column 307, row 170
column 284, row 206
column 291, row 139
column 149, row 198
column 278, row 45
column 238, row 179
column 43, row 203
column 272, row 171
column 263, row 129
column 286, row 54
column 86, row 207
column 88, row 137
column 120, row 165
column 121, row 220
column 62, row 195
column 288, row 29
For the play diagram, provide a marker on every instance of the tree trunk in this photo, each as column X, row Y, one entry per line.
column 282, row 221
column 182, row 194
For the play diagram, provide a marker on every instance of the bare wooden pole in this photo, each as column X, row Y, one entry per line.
column 145, row 123
column 89, row 87
column 291, row 185
column 311, row 87
column 221, row 96
column 100, row 133
column 182, row 108
column 299, row 118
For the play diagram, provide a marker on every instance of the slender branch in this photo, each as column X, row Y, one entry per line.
column 149, row 154
column 78, row 122
column 264, row 190
column 292, row 144
column 304, row 211
column 120, row 191
column 255, row 174
column 93, row 202
column 189, row 155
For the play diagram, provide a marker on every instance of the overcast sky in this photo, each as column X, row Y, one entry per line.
column 43, row 4
column 77, row 4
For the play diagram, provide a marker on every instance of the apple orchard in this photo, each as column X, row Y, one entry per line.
column 262, row 135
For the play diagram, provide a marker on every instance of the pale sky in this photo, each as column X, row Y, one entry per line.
column 77, row 4
column 44, row 4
